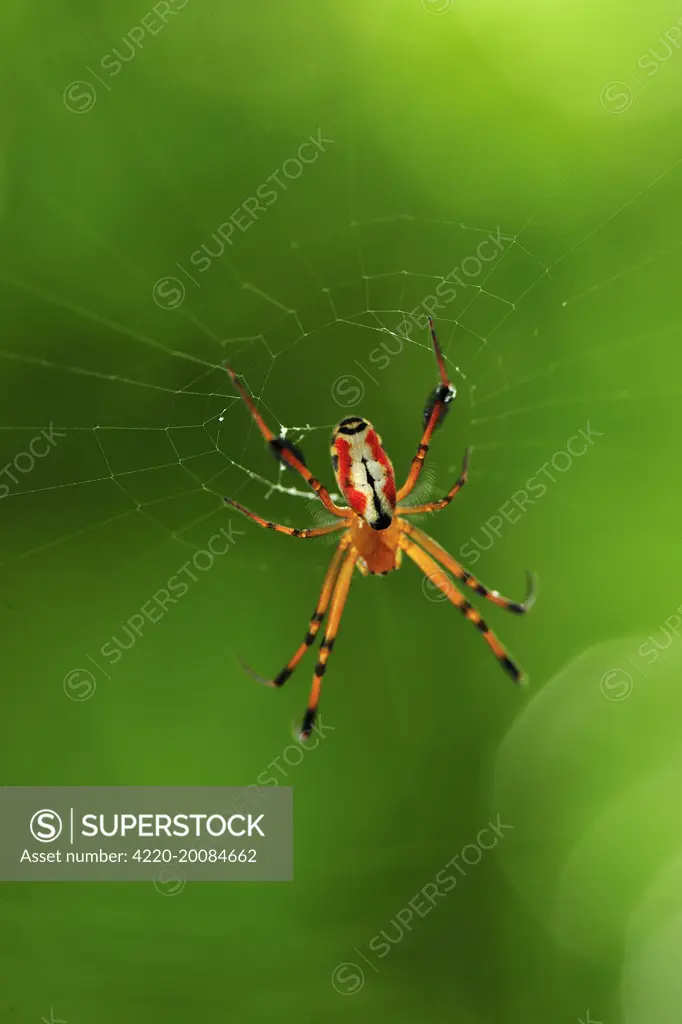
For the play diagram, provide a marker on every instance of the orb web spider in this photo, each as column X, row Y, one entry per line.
column 375, row 530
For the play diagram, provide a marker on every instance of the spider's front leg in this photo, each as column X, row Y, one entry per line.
column 315, row 621
column 338, row 602
column 436, row 575
column 436, row 409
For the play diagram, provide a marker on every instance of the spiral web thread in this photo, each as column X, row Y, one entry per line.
column 479, row 331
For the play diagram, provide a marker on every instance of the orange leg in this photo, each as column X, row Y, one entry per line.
column 436, row 574
column 286, row 452
column 436, row 506
column 338, row 601
column 434, row 413
column 315, row 621
column 460, row 573
column 305, row 534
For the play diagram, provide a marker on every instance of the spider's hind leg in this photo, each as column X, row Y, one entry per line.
column 280, row 444
column 436, row 409
column 445, row 559
column 285, row 451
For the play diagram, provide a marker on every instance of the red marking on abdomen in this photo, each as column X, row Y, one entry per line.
column 356, row 499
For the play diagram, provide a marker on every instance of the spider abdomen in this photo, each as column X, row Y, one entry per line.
column 364, row 472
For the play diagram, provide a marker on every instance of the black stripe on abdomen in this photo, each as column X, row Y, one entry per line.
column 351, row 425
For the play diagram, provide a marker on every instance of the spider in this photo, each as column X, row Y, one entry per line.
column 376, row 532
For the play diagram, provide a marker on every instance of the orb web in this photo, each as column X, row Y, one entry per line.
column 148, row 420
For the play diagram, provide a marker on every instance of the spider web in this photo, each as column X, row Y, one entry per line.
column 187, row 453
column 148, row 417
column 567, row 326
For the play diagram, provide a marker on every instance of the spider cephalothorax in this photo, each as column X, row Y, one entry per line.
column 375, row 530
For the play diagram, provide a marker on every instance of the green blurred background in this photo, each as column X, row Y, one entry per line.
column 448, row 120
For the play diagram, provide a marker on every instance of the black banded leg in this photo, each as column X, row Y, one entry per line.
column 291, row 531
column 285, row 451
column 315, row 621
column 436, row 506
column 437, row 406
column 337, row 604
column 436, row 574
column 469, row 580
